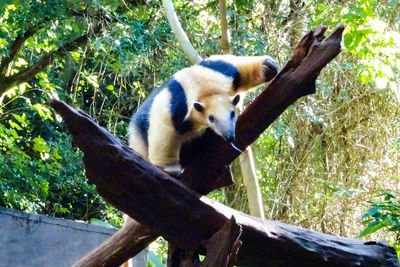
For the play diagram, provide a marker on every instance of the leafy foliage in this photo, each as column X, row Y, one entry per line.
column 383, row 214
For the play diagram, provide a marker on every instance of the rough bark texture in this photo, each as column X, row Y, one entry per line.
column 177, row 213
column 122, row 245
column 295, row 80
column 170, row 209
column 222, row 248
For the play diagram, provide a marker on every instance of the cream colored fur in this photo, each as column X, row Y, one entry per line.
column 213, row 89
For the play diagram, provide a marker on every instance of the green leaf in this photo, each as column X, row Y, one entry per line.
column 14, row 125
column 40, row 145
column 372, row 228
column 371, row 212
column 348, row 39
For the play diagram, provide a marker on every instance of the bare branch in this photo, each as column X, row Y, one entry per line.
column 122, row 244
column 180, row 34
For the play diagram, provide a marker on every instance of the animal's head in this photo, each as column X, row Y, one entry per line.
column 218, row 113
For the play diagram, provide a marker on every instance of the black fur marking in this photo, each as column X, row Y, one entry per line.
column 179, row 107
column 141, row 116
column 225, row 68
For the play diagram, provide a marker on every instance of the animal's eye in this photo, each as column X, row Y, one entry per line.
column 233, row 114
column 211, row 118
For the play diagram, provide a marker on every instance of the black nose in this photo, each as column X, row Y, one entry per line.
column 230, row 138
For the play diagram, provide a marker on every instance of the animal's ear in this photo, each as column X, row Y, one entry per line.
column 198, row 106
column 235, row 101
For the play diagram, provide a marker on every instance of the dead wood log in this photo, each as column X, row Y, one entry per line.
column 181, row 216
column 293, row 81
column 122, row 245
column 207, row 169
column 222, row 249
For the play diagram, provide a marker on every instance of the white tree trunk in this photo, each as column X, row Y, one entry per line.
column 246, row 159
column 180, row 34
column 250, row 181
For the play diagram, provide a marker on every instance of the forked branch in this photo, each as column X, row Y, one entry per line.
column 170, row 209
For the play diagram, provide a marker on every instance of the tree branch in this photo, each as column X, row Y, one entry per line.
column 145, row 193
column 122, row 244
column 180, row 34
column 295, row 80
column 291, row 83
column 15, row 47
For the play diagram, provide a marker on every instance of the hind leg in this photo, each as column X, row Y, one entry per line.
column 164, row 148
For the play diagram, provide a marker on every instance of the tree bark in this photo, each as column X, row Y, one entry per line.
column 224, row 27
column 206, row 159
column 181, row 216
column 122, row 245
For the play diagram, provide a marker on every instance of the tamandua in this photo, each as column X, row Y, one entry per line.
column 193, row 99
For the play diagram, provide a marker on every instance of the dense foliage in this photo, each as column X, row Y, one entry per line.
column 319, row 165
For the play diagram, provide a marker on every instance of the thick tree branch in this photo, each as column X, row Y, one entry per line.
column 122, row 245
column 42, row 63
column 295, row 80
column 177, row 213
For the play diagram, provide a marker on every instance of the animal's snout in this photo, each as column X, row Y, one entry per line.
column 270, row 68
column 230, row 137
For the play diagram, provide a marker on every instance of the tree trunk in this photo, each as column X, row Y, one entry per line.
column 180, row 34
column 246, row 159
column 224, row 27
column 251, row 183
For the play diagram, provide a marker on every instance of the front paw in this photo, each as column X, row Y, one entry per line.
column 270, row 69
column 174, row 170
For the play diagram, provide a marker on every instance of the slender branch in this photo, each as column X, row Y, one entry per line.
column 180, row 34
